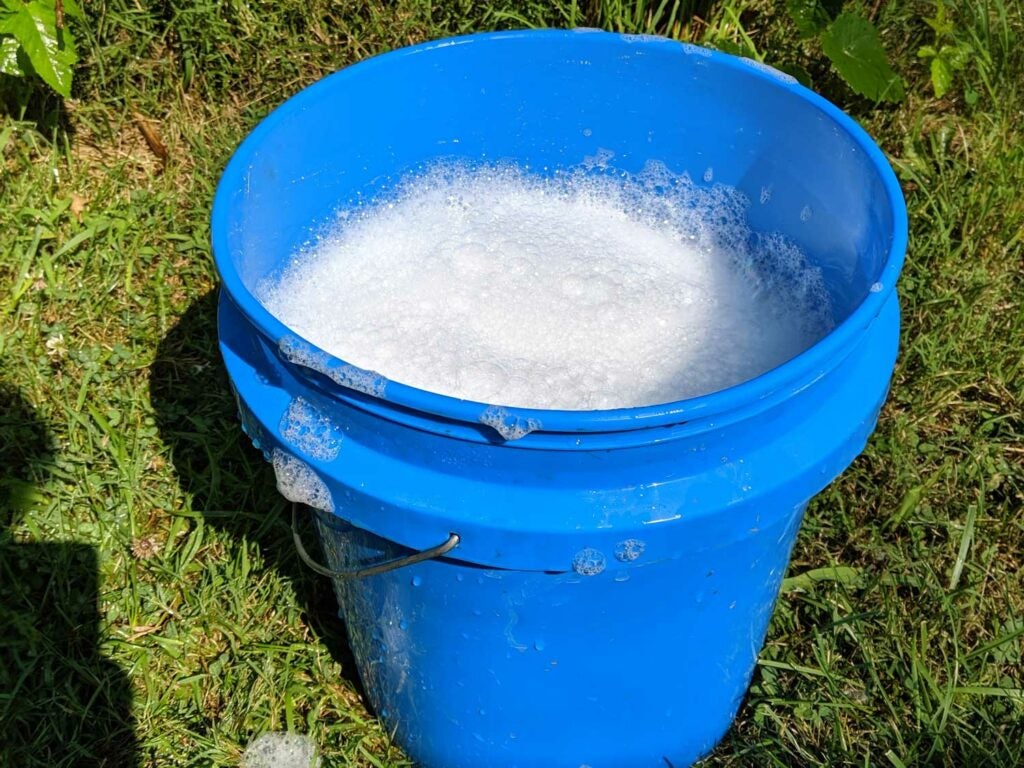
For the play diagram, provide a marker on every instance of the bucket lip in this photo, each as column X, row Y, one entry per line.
column 797, row 372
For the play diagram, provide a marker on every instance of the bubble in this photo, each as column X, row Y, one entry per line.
column 709, row 174
column 588, row 562
column 629, row 550
column 310, row 430
column 508, row 425
column 643, row 38
column 695, row 50
column 359, row 379
column 600, row 159
column 806, row 213
column 876, row 287
column 368, row 382
column 298, row 482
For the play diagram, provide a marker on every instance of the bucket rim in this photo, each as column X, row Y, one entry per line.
column 795, row 374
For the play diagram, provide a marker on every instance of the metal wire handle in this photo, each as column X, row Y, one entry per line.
column 360, row 573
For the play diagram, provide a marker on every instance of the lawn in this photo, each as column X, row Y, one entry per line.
column 152, row 609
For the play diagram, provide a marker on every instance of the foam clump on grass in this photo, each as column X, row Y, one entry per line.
column 281, row 750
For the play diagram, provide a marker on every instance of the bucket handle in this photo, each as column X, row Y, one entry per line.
column 361, row 573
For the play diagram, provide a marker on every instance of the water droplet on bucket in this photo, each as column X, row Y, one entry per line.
column 805, row 213
column 876, row 287
column 417, row 580
column 403, row 624
column 538, row 645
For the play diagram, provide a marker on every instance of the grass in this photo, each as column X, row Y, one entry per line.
column 153, row 612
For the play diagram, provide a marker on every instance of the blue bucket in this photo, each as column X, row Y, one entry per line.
column 577, row 588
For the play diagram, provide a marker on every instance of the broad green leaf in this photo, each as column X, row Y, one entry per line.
column 957, row 55
column 942, row 24
column 942, row 76
column 852, row 44
column 49, row 50
column 809, row 16
column 73, row 9
column 9, row 57
column 927, row 52
column 802, row 75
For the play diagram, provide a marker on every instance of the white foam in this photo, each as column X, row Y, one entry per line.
column 589, row 562
column 629, row 550
column 590, row 290
column 281, row 750
column 299, row 482
column 360, row 379
column 309, row 429
column 644, row 38
column 507, row 424
column 695, row 50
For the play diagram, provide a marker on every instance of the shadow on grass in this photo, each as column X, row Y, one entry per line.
column 62, row 704
column 229, row 481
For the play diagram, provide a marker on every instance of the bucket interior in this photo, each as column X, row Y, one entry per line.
column 548, row 101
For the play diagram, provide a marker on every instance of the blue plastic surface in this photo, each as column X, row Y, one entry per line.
column 617, row 569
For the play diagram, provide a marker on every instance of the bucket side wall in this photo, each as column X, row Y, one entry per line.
column 537, row 508
column 474, row 666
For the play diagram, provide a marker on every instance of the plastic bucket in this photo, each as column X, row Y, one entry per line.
column 614, row 570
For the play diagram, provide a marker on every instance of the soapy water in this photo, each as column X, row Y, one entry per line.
column 299, row 482
column 589, row 289
column 507, row 424
column 629, row 550
column 309, row 429
column 281, row 750
column 359, row 379
column 589, row 562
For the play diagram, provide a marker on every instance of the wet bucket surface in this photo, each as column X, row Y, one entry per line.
column 615, row 570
